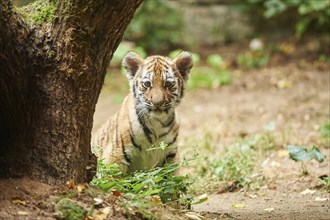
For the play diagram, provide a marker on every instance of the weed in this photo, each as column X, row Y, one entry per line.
column 325, row 134
column 235, row 167
column 325, row 181
column 144, row 189
column 211, row 76
column 67, row 209
column 253, row 59
column 302, row 154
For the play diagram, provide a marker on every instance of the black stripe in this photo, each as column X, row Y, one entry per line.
column 168, row 122
column 134, row 90
column 150, row 65
column 133, row 141
column 126, row 155
column 117, row 130
column 172, row 155
column 132, row 136
column 174, row 139
column 146, row 130
column 181, row 88
column 166, row 133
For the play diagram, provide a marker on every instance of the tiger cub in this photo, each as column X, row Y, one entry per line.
column 147, row 117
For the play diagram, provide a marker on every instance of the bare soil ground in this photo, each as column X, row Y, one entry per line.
column 254, row 100
column 295, row 96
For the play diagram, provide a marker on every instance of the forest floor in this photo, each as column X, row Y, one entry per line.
column 292, row 97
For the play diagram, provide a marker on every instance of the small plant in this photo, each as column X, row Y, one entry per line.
column 325, row 131
column 325, row 134
column 211, row 76
column 253, row 59
column 143, row 186
column 302, row 154
column 325, row 181
column 235, row 167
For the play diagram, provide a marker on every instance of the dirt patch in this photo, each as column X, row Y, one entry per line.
column 25, row 199
column 287, row 195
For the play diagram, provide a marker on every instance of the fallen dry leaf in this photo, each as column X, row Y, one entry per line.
column 284, row 84
column 101, row 214
column 202, row 198
column 116, row 193
column 319, row 199
column 275, row 164
column 262, row 193
column 238, row 206
column 81, row 187
column 156, row 199
column 287, row 48
column 253, row 196
column 98, row 201
column 18, row 201
column 22, row 213
column 70, row 184
column 269, row 209
column 307, row 191
column 194, row 216
column 282, row 153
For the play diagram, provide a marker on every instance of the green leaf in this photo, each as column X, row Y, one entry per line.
column 298, row 153
column 325, row 131
column 163, row 145
column 214, row 60
column 317, row 154
column 137, row 187
column 302, row 154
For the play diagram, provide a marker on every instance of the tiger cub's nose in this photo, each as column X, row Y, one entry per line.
column 157, row 100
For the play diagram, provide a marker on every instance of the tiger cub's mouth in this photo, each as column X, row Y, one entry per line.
column 160, row 109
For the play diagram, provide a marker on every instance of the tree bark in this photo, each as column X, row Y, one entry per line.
column 51, row 74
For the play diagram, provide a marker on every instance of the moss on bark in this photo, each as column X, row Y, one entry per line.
column 39, row 12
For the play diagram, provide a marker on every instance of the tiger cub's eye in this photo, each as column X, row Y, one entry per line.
column 169, row 84
column 147, row 84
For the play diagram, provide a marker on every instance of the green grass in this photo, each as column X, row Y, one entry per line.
column 253, row 59
column 237, row 166
column 145, row 189
column 208, row 78
column 325, row 134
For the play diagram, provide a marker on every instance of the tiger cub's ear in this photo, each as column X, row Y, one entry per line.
column 183, row 63
column 131, row 63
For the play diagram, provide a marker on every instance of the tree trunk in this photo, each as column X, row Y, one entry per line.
column 53, row 60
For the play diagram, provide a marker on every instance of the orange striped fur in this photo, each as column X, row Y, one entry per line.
column 147, row 117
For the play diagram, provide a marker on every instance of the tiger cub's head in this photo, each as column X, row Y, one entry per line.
column 157, row 82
